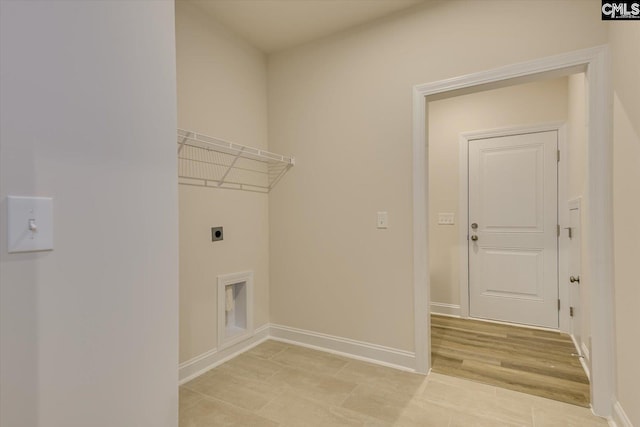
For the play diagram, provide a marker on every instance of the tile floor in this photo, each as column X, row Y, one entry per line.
column 277, row 384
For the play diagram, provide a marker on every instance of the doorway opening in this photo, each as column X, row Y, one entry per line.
column 494, row 166
column 597, row 194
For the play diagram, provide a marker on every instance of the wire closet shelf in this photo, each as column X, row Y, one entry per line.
column 206, row 161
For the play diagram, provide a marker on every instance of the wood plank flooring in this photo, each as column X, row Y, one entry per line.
column 517, row 358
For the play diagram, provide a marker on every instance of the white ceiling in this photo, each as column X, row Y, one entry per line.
column 273, row 25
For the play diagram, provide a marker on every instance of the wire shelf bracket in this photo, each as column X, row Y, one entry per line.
column 213, row 162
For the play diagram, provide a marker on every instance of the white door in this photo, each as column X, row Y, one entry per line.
column 513, row 217
column 575, row 253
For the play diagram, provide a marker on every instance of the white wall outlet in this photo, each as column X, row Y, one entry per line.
column 383, row 220
column 446, row 218
column 30, row 224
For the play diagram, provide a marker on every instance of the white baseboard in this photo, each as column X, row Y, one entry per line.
column 585, row 350
column 398, row 359
column 584, row 361
column 393, row 358
column 445, row 309
column 619, row 417
column 200, row 364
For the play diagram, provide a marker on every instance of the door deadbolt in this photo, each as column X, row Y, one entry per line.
column 474, row 226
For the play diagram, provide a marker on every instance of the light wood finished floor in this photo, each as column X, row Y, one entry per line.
column 517, row 358
column 277, row 384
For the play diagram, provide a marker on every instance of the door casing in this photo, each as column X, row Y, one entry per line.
column 577, row 334
column 463, row 207
column 595, row 63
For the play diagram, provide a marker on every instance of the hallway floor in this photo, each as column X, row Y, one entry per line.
column 278, row 384
column 523, row 359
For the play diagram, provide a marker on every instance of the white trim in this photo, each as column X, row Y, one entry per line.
column 585, row 367
column 585, row 350
column 619, row 416
column 445, row 309
column 421, row 281
column 373, row 353
column 511, row 130
column 200, row 364
column 600, row 226
column 516, row 325
column 463, row 207
column 600, row 222
column 564, row 317
column 576, row 203
column 463, row 224
column 583, row 359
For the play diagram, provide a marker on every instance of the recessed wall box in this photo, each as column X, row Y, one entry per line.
column 235, row 308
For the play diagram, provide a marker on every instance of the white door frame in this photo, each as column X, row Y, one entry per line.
column 463, row 208
column 576, row 203
column 595, row 63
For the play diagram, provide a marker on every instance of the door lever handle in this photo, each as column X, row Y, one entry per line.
column 474, row 237
column 574, row 279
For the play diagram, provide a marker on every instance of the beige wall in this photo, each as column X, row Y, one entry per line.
column 528, row 104
column 222, row 93
column 343, row 107
column 625, row 43
column 89, row 330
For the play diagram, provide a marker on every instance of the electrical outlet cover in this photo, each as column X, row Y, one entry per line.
column 216, row 234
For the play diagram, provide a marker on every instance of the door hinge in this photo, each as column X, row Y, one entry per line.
column 558, row 230
column 558, row 155
column 571, row 311
column 558, row 304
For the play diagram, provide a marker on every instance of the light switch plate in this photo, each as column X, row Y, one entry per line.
column 30, row 224
column 383, row 220
column 446, row 218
